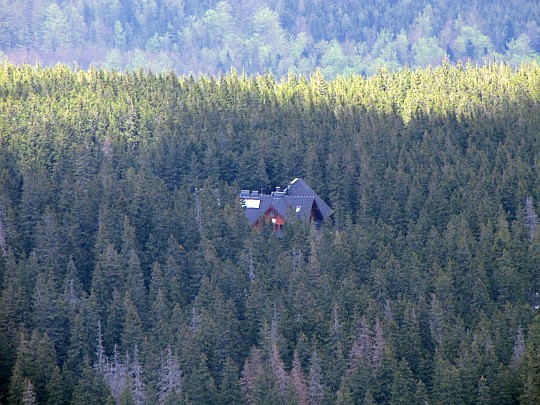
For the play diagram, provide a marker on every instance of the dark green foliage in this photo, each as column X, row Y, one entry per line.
column 36, row 361
column 57, row 389
column 229, row 389
column 129, row 272
column 91, row 389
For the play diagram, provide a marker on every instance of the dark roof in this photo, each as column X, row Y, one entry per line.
column 253, row 214
column 299, row 187
column 298, row 199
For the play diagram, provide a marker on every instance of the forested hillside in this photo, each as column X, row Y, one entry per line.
column 211, row 37
column 120, row 283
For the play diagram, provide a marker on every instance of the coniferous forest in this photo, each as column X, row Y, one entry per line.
column 281, row 36
column 129, row 273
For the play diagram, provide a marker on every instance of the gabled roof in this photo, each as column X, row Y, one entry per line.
column 299, row 206
column 253, row 214
column 299, row 187
column 298, row 199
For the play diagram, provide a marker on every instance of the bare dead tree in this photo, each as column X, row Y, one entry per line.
column 170, row 376
column 3, row 243
column 531, row 219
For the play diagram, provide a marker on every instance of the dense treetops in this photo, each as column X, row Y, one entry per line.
column 130, row 275
column 211, row 37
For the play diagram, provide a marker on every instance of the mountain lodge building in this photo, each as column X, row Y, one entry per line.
column 298, row 199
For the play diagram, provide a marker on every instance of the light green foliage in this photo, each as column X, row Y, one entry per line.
column 119, row 35
column 267, row 44
column 55, row 29
column 333, row 60
column 520, row 51
column 384, row 53
column 220, row 24
column 427, row 52
column 213, row 37
column 402, row 48
column 76, row 25
column 472, row 44
column 113, row 60
column 424, row 21
column 137, row 60
column 145, row 12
